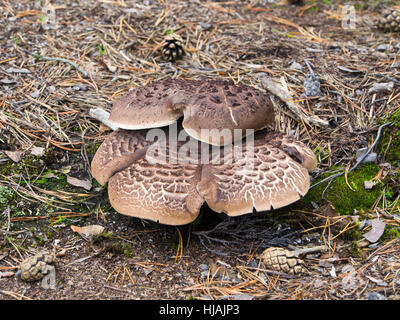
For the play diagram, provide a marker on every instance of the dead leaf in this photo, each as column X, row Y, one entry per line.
column 86, row 184
column 37, row 151
column 329, row 211
column 65, row 169
column 378, row 227
column 88, row 231
column 17, row 70
column 6, row 274
column 109, row 65
column 14, row 155
column 49, row 175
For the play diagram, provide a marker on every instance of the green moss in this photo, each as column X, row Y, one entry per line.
column 30, row 163
column 391, row 232
column 127, row 250
column 7, row 195
column 356, row 250
column 342, row 197
column 118, row 247
column 91, row 148
column 55, row 183
column 389, row 145
column 353, row 234
column 40, row 239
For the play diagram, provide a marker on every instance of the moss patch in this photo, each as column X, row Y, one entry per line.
column 390, row 141
column 342, row 197
column 391, row 232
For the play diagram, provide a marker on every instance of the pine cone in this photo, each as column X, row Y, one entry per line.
column 172, row 47
column 390, row 20
column 280, row 259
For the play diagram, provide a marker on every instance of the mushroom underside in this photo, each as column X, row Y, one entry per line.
column 168, row 183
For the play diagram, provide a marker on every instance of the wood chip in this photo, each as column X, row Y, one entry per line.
column 86, row 184
column 378, row 227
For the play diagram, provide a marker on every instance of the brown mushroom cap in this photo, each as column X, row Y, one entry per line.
column 118, row 151
column 270, row 179
column 220, row 105
column 151, row 106
column 164, row 193
column 208, row 107
column 173, row 190
column 294, row 148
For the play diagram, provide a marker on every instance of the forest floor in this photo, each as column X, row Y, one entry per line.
column 60, row 60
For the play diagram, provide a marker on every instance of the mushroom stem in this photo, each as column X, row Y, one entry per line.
column 102, row 116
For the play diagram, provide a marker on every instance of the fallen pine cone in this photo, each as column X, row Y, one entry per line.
column 280, row 259
column 390, row 21
column 36, row 267
column 172, row 47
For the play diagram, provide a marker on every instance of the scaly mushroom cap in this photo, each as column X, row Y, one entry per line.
column 151, row 106
column 118, row 151
column 267, row 178
column 156, row 181
column 294, row 148
column 164, row 192
column 209, row 107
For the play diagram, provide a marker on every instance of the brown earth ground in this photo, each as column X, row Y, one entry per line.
column 46, row 134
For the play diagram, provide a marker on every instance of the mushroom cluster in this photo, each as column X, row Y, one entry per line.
column 161, row 167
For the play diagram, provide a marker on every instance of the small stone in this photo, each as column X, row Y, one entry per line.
column 375, row 296
column 203, row 267
column 35, row 94
column 325, row 264
column 205, row 26
column 295, row 66
column 378, row 87
column 368, row 185
column 381, row 47
column 17, row 70
column 318, row 283
column 312, row 86
column 371, row 157
column 332, row 272
column 79, row 87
